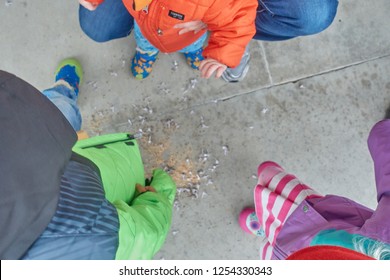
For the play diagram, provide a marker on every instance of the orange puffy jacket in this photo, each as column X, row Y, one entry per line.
column 230, row 22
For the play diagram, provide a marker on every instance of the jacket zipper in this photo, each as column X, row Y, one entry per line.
column 160, row 18
column 128, row 138
column 145, row 9
column 143, row 14
column 156, row 12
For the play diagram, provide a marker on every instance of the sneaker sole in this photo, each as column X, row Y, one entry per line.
column 230, row 79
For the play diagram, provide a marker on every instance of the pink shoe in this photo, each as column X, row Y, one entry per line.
column 249, row 223
column 266, row 171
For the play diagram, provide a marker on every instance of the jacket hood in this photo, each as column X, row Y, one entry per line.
column 36, row 142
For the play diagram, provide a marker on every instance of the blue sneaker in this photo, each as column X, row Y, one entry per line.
column 194, row 58
column 70, row 71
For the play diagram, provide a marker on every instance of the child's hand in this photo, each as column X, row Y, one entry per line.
column 209, row 66
column 196, row 26
column 139, row 189
column 90, row 5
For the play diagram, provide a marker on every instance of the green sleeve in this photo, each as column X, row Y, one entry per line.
column 145, row 223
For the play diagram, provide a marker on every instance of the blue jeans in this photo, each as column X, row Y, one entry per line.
column 146, row 46
column 276, row 19
column 285, row 19
column 65, row 100
column 111, row 20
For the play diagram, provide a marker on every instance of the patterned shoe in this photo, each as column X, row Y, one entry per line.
column 194, row 58
column 70, row 71
column 249, row 223
column 142, row 64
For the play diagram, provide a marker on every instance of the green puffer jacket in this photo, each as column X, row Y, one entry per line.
column 145, row 219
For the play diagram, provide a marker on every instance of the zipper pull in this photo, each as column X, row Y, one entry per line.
column 145, row 9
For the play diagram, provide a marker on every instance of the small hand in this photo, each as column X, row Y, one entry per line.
column 141, row 189
column 88, row 5
column 209, row 66
column 196, row 26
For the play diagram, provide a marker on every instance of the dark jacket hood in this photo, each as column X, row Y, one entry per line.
column 35, row 146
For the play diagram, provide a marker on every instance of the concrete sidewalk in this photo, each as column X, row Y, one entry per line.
column 307, row 103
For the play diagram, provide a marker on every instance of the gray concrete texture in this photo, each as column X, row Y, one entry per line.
column 308, row 104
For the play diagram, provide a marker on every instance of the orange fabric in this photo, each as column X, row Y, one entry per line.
column 325, row 252
column 97, row 2
column 230, row 22
column 140, row 4
column 81, row 134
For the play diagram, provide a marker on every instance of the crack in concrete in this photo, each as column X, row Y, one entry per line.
column 266, row 63
column 271, row 85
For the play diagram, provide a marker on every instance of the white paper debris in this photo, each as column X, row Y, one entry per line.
column 203, row 156
column 215, row 165
column 169, row 123
column 194, row 192
column 225, row 149
column 176, row 205
column 175, row 65
column 191, row 85
column 162, row 88
column 138, row 134
column 93, row 84
column 202, row 124
column 148, row 109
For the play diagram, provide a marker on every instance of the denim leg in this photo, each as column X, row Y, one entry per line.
column 195, row 45
column 142, row 42
column 111, row 20
column 65, row 100
column 285, row 19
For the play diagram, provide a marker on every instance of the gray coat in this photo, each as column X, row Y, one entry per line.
column 28, row 119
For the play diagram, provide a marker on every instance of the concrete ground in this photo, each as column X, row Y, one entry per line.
column 307, row 103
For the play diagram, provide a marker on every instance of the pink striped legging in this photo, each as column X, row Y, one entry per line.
column 276, row 195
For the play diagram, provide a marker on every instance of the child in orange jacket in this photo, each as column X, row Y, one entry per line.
column 230, row 23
